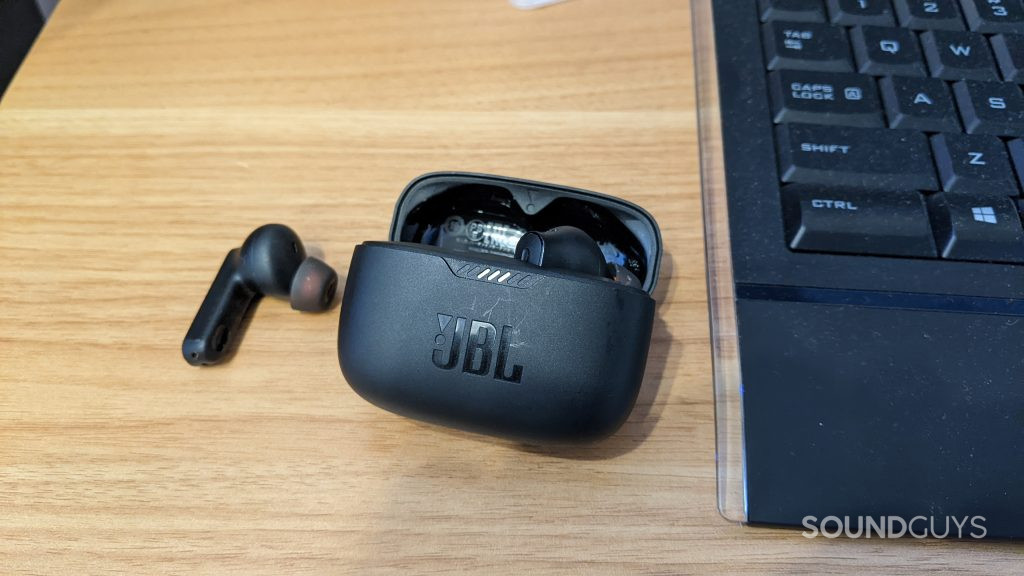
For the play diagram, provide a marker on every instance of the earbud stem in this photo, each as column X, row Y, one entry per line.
column 211, row 336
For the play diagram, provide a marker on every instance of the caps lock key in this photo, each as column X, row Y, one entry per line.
column 825, row 98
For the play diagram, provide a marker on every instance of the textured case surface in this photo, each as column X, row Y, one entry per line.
column 538, row 356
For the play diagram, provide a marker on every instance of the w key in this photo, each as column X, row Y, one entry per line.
column 990, row 107
column 958, row 55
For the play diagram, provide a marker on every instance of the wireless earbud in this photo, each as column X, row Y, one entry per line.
column 272, row 262
column 569, row 248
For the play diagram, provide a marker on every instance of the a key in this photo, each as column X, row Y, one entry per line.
column 1009, row 51
column 864, row 158
column 804, row 46
column 973, row 164
column 888, row 222
column 929, row 14
column 991, row 16
column 825, row 98
column 792, row 10
column 990, row 107
column 887, row 51
column 958, row 55
column 919, row 104
column 977, row 227
column 860, row 12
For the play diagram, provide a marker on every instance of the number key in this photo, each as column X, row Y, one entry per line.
column 854, row 12
column 992, row 16
column 929, row 14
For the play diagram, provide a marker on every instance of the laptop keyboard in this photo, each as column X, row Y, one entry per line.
column 899, row 125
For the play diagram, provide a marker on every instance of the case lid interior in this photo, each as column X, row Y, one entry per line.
column 476, row 213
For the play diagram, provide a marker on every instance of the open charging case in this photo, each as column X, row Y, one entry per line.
column 442, row 324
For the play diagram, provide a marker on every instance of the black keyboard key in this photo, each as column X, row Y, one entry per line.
column 990, row 107
column 1016, row 148
column 792, row 10
column 804, row 46
column 991, row 16
column 919, row 104
column 958, row 55
column 825, row 98
column 887, row 51
column 1009, row 51
column 886, row 222
column 929, row 14
column 865, row 158
column 973, row 164
column 981, row 228
column 860, row 12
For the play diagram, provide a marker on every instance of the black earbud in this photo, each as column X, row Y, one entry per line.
column 272, row 262
column 569, row 248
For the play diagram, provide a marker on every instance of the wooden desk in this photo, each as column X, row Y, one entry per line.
column 141, row 140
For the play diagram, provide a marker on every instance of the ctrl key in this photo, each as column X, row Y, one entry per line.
column 820, row 219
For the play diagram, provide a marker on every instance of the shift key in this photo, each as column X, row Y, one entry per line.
column 890, row 223
column 863, row 158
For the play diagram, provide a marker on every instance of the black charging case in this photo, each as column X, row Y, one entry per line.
column 442, row 324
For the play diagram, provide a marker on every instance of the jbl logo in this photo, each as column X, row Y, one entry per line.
column 479, row 348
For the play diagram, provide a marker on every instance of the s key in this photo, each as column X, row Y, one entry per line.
column 990, row 107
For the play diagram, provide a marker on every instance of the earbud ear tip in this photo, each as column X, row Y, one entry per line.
column 313, row 286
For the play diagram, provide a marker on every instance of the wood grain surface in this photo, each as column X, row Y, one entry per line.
column 142, row 140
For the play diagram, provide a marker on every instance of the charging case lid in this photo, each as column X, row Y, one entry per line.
column 482, row 214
